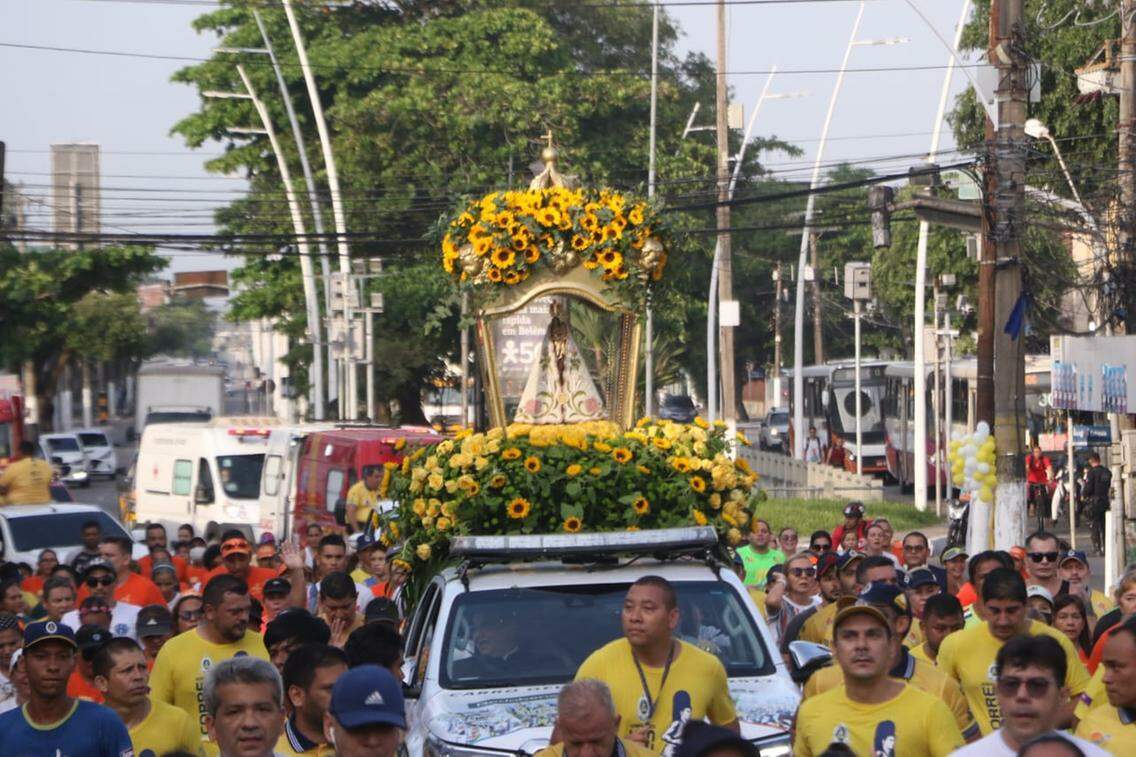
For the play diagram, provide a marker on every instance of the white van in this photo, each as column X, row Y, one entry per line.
column 67, row 450
column 101, row 457
column 208, row 475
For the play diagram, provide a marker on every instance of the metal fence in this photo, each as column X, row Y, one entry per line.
column 783, row 476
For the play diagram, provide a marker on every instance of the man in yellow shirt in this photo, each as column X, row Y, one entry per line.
column 659, row 683
column 243, row 707
column 872, row 713
column 363, row 496
column 891, row 601
column 155, row 727
column 969, row 655
column 1112, row 726
column 338, row 606
column 27, row 481
column 942, row 616
column 179, row 671
column 587, row 723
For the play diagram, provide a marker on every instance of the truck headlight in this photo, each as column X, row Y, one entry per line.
column 778, row 746
column 435, row 747
column 774, row 432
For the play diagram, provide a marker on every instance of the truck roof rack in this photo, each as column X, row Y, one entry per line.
column 664, row 541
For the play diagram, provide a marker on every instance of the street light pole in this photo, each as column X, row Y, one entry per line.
column 649, row 336
column 859, row 420
column 352, row 399
column 802, row 261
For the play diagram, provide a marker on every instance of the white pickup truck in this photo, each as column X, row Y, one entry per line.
column 561, row 596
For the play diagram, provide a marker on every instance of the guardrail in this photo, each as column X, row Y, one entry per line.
column 782, row 475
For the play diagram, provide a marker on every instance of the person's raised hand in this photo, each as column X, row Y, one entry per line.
column 292, row 556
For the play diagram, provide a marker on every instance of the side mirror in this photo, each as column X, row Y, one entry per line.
column 806, row 658
column 202, row 496
column 411, row 692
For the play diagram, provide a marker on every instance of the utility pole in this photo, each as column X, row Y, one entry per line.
column 1006, row 205
column 725, row 266
column 818, row 322
column 1126, row 140
column 649, row 336
column 777, row 335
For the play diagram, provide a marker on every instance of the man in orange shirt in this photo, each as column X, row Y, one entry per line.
column 129, row 586
column 81, row 684
column 236, row 560
column 156, row 537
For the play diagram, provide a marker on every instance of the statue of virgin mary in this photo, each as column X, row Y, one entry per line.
column 559, row 388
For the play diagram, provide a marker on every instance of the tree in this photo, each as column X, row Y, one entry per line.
column 182, row 328
column 40, row 296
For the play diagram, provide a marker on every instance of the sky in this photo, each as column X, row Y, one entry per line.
column 127, row 105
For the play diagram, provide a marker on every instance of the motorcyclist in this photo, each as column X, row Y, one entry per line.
column 1039, row 471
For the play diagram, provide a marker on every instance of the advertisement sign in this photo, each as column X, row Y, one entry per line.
column 1091, row 373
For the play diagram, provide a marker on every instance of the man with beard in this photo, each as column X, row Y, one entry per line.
column 122, row 677
column 179, row 671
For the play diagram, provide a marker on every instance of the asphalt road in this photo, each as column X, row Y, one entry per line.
column 104, row 492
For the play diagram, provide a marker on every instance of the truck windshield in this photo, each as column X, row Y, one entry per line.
column 779, row 419
column 179, row 416
column 540, row 635
column 62, row 444
column 94, row 440
column 57, row 529
column 240, row 475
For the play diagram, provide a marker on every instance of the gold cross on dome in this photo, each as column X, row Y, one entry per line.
column 548, row 137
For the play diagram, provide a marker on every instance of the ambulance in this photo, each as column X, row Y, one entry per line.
column 207, row 475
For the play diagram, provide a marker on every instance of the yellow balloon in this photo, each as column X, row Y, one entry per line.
column 986, row 494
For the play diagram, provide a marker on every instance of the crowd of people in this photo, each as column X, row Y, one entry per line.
column 226, row 647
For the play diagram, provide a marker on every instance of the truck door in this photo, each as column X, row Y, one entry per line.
column 203, row 493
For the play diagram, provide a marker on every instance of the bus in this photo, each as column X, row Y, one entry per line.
column 830, row 407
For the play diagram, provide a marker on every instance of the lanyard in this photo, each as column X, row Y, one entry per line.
column 652, row 704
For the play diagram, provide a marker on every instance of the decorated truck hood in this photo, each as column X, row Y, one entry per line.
column 512, row 719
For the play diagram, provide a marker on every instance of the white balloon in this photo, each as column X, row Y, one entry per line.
column 982, row 429
column 983, row 468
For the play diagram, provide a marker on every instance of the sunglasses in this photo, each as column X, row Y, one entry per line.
column 1008, row 686
column 191, row 614
column 1044, row 556
column 821, row 546
column 94, row 581
column 803, row 572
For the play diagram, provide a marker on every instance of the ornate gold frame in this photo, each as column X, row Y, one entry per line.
column 582, row 284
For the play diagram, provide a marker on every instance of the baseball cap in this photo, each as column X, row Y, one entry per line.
column 277, row 587
column 846, row 559
column 367, row 695
column 1039, row 591
column 90, row 637
column 97, row 563
column 852, row 609
column 296, row 624
column 700, row 738
column 853, row 509
column 163, row 565
column 826, row 561
column 366, row 541
column 267, row 538
column 1074, row 554
column 44, row 630
column 266, row 549
column 154, row 620
column 952, row 553
column 381, row 610
column 921, row 577
column 879, row 594
column 235, row 546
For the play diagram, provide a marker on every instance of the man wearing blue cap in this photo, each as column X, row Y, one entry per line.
column 52, row 722
column 366, row 717
column 1074, row 569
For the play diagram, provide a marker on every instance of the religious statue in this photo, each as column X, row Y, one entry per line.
column 559, row 388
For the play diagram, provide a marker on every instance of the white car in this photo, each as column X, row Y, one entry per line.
column 101, row 457
column 27, row 529
column 67, row 450
column 559, row 609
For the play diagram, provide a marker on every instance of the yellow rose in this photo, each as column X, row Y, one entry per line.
column 423, row 552
column 480, row 463
column 435, row 481
column 699, row 518
column 715, row 500
column 451, row 486
column 419, row 507
column 734, row 537
column 443, row 524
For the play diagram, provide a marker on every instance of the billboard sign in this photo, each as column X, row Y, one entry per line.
column 1092, row 373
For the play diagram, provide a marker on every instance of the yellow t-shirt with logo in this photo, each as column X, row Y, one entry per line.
column 1093, row 696
column 923, row 676
column 914, row 636
column 363, row 499
column 968, row 657
column 630, row 748
column 1100, row 604
column 818, row 627
column 1111, row 730
column 179, row 671
column 27, row 482
column 166, row 729
column 911, row 723
column 696, row 688
column 920, row 653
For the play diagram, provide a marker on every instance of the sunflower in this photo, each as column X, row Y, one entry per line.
column 701, row 422
column 610, row 259
column 532, row 464
column 602, row 447
column 641, row 506
column 573, row 470
column 494, row 275
column 532, row 254
column 661, row 442
column 498, row 481
column 503, row 257
column 699, row 517
column 579, row 243
column 698, row 484
column 519, row 508
column 595, row 471
column 636, row 215
column 512, row 453
column 482, row 245
column 572, row 524
column 512, row 277
column 548, row 216
column 680, row 464
column 644, row 470
column 622, row 455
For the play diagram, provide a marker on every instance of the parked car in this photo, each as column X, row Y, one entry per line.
column 27, row 529
column 561, row 610
column 774, row 430
column 677, row 407
column 67, row 450
column 101, row 457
